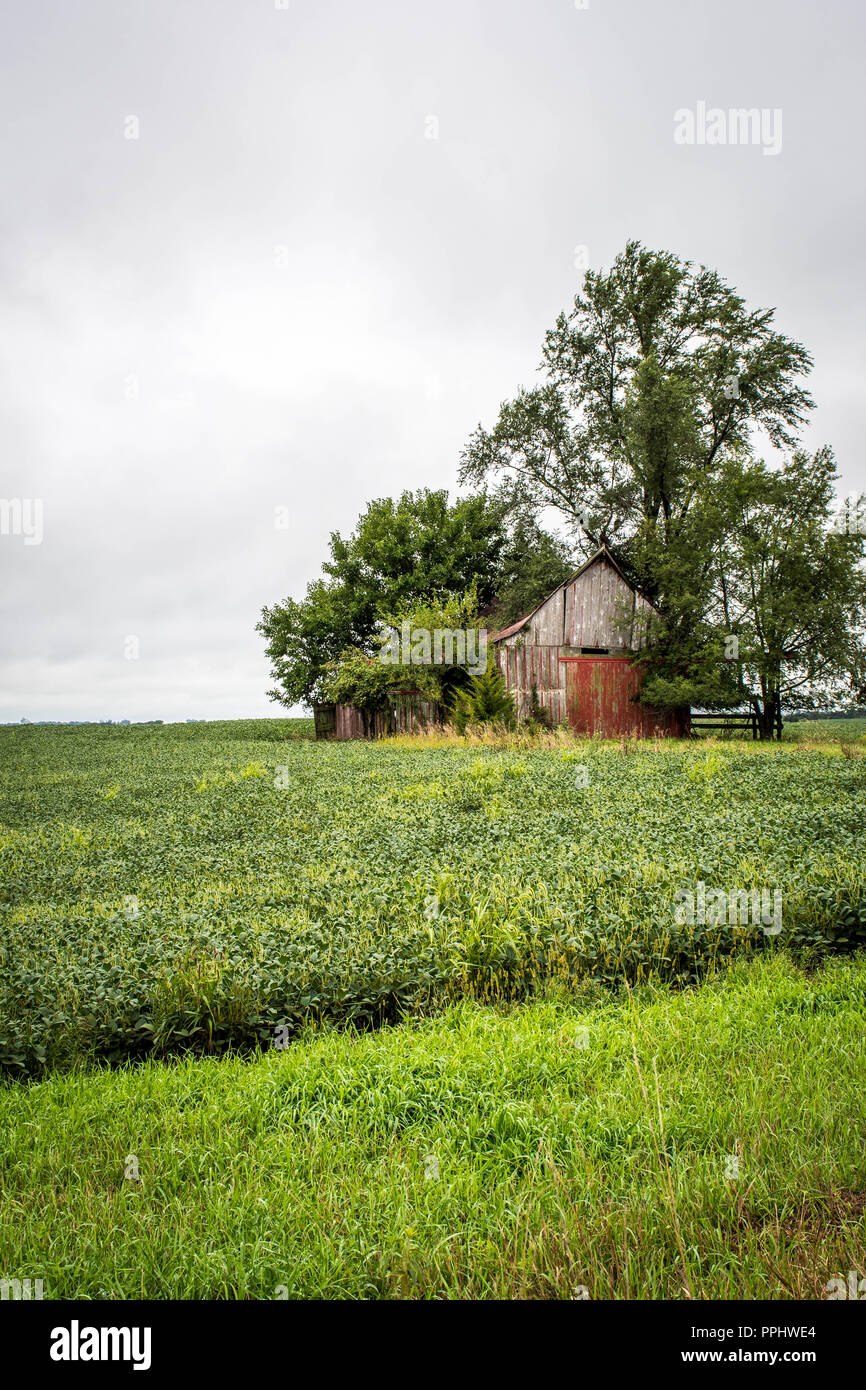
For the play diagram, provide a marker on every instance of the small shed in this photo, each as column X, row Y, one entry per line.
column 576, row 650
column 408, row 713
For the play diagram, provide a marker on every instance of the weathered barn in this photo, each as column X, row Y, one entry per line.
column 407, row 714
column 575, row 649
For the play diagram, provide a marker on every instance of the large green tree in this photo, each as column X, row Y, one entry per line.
column 657, row 374
column 532, row 564
column 781, row 621
column 402, row 553
column 657, row 381
column 791, row 590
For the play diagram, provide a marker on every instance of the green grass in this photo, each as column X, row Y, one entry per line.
column 559, row 1165
column 169, row 895
column 194, row 886
column 825, row 730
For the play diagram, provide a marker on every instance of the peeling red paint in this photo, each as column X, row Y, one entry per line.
column 599, row 697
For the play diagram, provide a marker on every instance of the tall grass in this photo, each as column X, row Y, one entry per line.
column 702, row 1145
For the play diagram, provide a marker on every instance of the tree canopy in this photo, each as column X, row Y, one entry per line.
column 658, row 389
column 420, row 548
column 654, row 377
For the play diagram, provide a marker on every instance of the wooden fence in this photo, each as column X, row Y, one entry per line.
column 744, row 723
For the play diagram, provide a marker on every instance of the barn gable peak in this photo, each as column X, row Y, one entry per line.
column 601, row 556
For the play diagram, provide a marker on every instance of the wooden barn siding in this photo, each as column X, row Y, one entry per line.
column 349, row 722
column 600, row 695
column 520, row 665
column 585, row 613
column 582, row 614
column 593, row 694
column 411, row 716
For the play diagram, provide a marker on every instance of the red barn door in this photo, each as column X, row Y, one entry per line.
column 599, row 693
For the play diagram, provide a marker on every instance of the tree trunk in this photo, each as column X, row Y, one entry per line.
column 769, row 713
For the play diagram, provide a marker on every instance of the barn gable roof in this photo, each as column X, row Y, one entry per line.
column 602, row 554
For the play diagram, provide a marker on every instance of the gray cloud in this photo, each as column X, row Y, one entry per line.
column 283, row 294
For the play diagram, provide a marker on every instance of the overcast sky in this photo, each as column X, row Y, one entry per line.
column 286, row 293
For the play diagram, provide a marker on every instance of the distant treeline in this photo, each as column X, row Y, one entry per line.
column 83, row 723
column 826, row 714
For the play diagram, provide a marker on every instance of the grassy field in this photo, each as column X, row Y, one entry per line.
column 705, row 1144
column 199, row 886
column 821, row 730
column 418, row 1019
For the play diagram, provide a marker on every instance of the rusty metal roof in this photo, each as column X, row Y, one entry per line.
column 510, row 631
